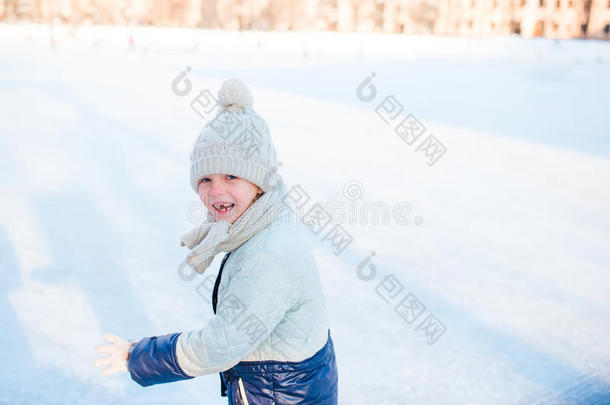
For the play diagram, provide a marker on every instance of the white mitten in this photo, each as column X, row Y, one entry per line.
column 118, row 354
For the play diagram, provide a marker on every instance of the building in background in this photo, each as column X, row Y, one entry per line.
column 529, row 18
column 599, row 19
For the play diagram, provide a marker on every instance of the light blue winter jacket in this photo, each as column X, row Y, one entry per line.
column 270, row 304
column 270, row 327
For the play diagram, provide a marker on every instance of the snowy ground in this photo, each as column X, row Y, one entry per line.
column 507, row 243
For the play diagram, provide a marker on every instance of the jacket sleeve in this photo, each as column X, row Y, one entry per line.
column 258, row 296
column 153, row 361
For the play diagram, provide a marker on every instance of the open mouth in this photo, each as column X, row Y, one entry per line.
column 223, row 208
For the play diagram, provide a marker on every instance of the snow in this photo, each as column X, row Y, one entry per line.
column 511, row 254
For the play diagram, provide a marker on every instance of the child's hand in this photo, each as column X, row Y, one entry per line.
column 118, row 355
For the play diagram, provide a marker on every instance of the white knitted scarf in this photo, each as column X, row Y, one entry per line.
column 213, row 237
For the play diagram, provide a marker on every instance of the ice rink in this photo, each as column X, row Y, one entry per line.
column 503, row 236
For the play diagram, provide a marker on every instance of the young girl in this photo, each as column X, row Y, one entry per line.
column 269, row 337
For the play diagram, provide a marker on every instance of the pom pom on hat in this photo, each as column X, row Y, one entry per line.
column 234, row 93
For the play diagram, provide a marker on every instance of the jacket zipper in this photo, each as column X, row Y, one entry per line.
column 242, row 392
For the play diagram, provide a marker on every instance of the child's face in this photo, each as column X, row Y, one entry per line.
column 225, row 188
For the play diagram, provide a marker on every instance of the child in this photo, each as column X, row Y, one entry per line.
column 269, row 337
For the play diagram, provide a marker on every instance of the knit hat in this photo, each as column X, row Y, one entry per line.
column 236, row 141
